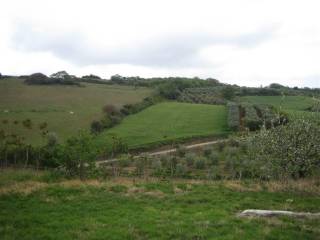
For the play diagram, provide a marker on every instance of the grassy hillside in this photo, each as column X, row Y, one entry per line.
column 31, row 207
column 170, row 120
column 66, row 109
column 298, row 103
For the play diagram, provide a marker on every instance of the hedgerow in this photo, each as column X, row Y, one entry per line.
column 208, row 95
column 251, row 119
column 233, row 116
column 114, row 116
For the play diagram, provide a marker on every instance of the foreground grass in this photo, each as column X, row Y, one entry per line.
column 66, row 109
column 128, row 209
column 169, row 121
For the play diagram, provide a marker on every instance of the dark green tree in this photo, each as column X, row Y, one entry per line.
column 80, row 153
column 228, row 92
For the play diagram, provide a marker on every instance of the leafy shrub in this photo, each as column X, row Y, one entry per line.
column 79, row 154
column 181, row 170
column 106, row 122
column 27, row 123
column 221, row 145
column 169, row 90
column 111, row 118
column 165, row 160
column 91, row 76
column 213, row 158
column 124, row 160
column 173, row 165
column 57, row 78
column 156, row 165
column 190, row 159
column 96, row 127
column 181, row 151
column 233, row 116
column 231, row 151
column 135, row 108
column 200, row 163
column 269, row 116
column 233, row 142
column 256, row 116
column 140, row 166
column 110, row 110
column 316, row 106
column 52, row 139
column 52, row 156
column 115, row 119
column 251, row 119
column 228, row 92
column 213, row 173
column 114, row 116
column 208, row 95
column 142, row 163
column 233, row 165
column 290, row 150
column 207, row 151
column 118, row 146
column 37, row 78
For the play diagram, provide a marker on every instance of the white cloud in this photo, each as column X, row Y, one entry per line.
column 247, row 42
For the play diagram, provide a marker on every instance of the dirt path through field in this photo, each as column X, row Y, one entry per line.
column 167, row 151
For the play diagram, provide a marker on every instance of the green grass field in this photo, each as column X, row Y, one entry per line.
column 54, row 104
column 168, row 121
column 297, row 103
column 33, row 208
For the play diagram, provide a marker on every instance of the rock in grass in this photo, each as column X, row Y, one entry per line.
column 275, row 213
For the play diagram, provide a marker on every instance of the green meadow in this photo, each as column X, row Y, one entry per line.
column 297, row 103
column 66, row 109
column 169, row 121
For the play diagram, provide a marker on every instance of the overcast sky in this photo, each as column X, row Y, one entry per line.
column 244, row 42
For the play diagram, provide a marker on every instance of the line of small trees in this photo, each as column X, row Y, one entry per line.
column 175, row 87
column 113, row 116
column 15, row 150
column 61, row 77
column 75, row 157
column 253, row 116
column 233, row 116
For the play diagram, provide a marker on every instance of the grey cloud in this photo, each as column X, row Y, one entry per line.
column 173, row 51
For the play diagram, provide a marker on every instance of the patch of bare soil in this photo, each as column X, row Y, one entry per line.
column 307, row 186
column 23, row 187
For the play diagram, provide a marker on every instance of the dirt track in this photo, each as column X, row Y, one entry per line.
column 163, row 152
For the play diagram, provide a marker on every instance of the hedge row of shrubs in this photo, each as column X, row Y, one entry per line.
column 110, row 119
column 75, row 157
column 113, row 116
column 205, row 99
column 233, row 116
column 253, row 117
column 209, row 95
column 138, row 107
